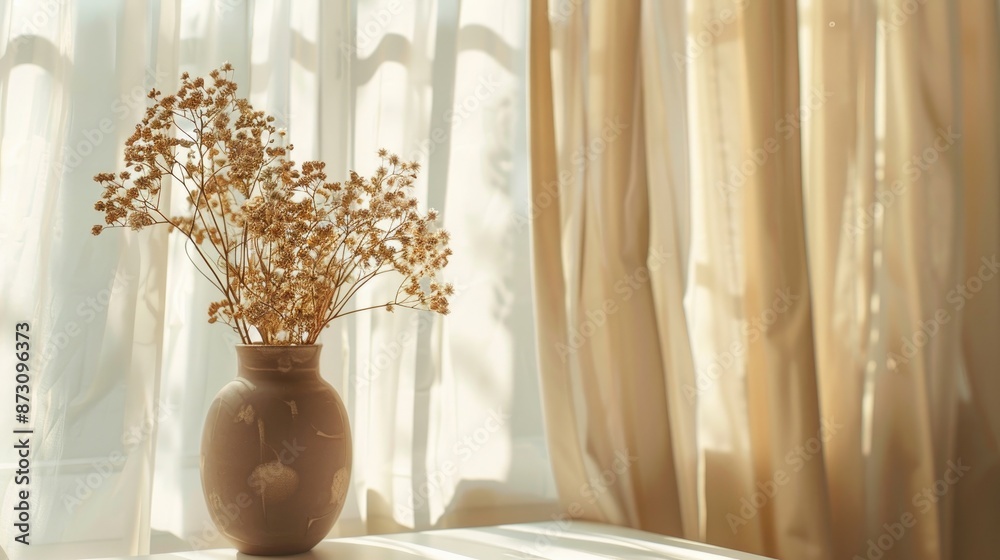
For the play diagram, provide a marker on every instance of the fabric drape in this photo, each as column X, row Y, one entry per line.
column 801, row 214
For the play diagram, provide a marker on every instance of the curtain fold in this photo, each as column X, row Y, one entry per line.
column 780, row 392
column 667, row 163
column 822, row 177
column 977, row 422
column 839, row 188
column 603, row 388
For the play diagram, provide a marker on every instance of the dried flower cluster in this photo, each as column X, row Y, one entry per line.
column 286, row 248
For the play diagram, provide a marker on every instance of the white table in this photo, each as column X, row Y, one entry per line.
column 575, row 540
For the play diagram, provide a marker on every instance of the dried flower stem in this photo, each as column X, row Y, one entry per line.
column 287, row 249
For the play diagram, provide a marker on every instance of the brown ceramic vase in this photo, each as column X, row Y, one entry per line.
column 276, row 452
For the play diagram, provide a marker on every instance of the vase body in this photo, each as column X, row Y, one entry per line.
column 276, row 452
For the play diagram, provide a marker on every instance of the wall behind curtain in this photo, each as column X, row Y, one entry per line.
column 131, row 365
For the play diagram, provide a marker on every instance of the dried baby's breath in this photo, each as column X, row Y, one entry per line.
column 286, row 248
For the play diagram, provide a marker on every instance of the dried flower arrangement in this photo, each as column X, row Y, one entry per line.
column 286, row 248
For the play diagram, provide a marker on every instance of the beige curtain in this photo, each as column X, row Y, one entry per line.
column 765, row 250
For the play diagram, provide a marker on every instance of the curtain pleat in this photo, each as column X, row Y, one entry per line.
column 782, row 401
column 603, row 379
column 551, row 297
column 839, row 190
column 665, row 90
column 976, row 508
column 918, row 256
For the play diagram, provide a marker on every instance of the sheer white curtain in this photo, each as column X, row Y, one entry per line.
column 124, row 364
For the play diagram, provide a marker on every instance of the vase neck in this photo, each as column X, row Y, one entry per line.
column 270, row 362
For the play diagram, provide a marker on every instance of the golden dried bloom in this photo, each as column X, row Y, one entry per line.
column 289, row 248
